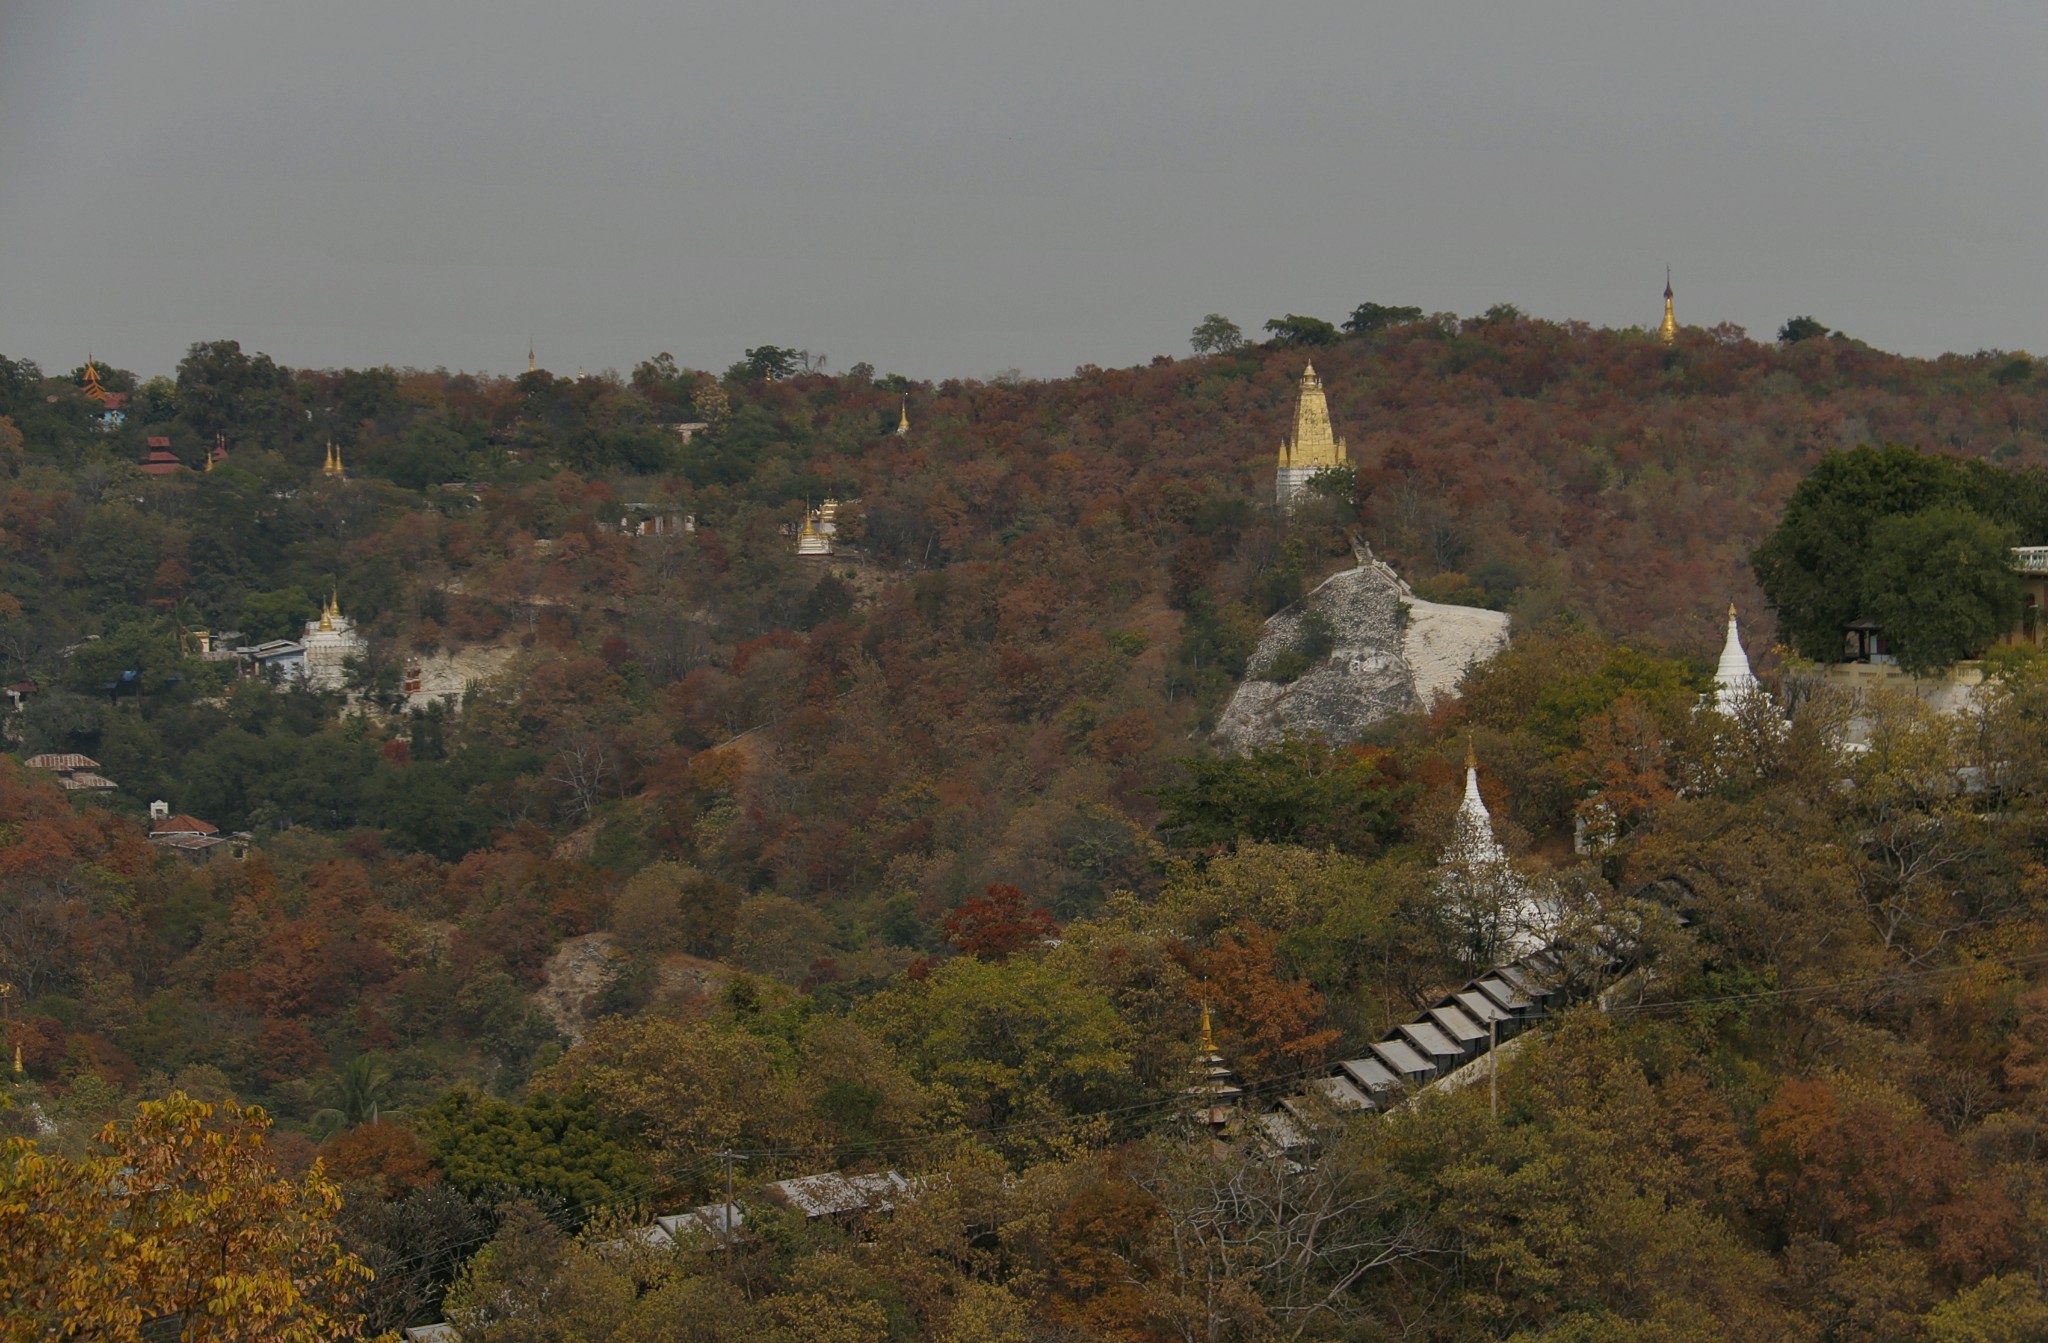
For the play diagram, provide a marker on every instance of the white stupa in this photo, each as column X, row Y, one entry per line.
column 1484, row 891
column 1734, row 682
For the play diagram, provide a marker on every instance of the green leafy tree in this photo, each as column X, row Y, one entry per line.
column 1216, row 334
column 1295, row 330
column 768, row 363
column 1294, row 792
column 1940, row 584
column 357, row 1094
column 1833, row 559
column 221, row 390
column 552, row 1145
column 278, row 614
column 1801, row 328
column 1008, row 1042
column 1367, row 318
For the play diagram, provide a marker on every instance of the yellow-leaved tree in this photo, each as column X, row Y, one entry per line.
column 176, row 1219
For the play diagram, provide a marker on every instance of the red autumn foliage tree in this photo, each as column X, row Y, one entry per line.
column 996, row 923
column 1268, row 1022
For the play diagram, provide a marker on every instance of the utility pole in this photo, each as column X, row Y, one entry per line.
column 725, row 1213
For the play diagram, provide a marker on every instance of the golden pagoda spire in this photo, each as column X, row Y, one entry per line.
column 92, row 388
column 1315, row 446
column 903, row 421
column 1471, row 755
column 333, row 464
column 329, row 609
column 1208, row 1031
column 531, row 367
column 1668, row 333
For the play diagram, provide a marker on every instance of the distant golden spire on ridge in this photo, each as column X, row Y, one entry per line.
column 1668, row 333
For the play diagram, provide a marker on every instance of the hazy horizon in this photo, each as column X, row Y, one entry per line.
column 949, row 192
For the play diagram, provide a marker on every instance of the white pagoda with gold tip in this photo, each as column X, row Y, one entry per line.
column 1314, row 446
column 1734, row 681
column 810, row 542
column 330, row 642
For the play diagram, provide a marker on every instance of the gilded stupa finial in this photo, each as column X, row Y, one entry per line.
column 1208, row 1030
column 531, row 367
column 903, row 420
column 1668, row 332
column 1471, row 754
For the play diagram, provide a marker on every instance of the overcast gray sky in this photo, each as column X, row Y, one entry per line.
column 955, row 189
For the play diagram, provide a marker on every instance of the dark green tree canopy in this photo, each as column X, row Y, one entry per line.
column 1216, row 334
column 1914, row 541
column 1801, row 328
column 1294, row 329
column 1939, row 582
column 1296, row 792
column 1367, row 318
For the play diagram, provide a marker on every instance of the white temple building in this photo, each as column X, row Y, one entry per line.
column 330, row 641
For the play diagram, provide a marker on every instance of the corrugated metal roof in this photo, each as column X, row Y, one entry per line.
column 1401, row 1058
column 1478, row 1006
column 1505, row 994
column 831, row 1194
column 1371, row 1074
column 1341, row 1093
column 1430, row 1041
column 1457, row 1025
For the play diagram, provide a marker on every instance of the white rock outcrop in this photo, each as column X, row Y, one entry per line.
column 1394, row 653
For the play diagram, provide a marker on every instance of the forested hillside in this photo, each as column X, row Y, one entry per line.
column 918, row 857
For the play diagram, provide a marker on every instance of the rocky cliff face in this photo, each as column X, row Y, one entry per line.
column 1393, row 653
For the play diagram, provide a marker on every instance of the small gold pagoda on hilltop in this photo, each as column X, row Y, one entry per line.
column 1314, row 447
column 332, row 466
column 1668, row 333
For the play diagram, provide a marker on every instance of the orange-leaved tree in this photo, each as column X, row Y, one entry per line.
column 178, row 1216
column 993, row 925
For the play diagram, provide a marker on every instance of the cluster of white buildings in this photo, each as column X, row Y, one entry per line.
column 319, row 656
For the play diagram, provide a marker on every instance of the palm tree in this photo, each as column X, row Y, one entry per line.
column 355, row 1095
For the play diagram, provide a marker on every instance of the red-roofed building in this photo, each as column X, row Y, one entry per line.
column 161, row 461
column 188, row 835
column 74, row 772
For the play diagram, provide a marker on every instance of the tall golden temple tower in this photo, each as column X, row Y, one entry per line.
column 1314, row 447
column 1668, row 333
